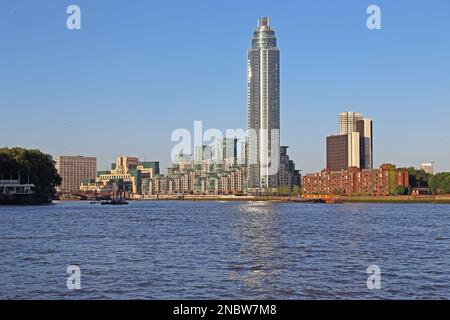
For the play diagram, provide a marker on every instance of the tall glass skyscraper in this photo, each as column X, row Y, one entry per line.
column 263, row 109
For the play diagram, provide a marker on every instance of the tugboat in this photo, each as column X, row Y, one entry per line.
column 117, row 198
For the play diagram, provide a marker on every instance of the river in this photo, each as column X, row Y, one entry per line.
column 225, row 250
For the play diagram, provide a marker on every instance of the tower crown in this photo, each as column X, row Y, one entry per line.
column 264, row 36
column 264, row 23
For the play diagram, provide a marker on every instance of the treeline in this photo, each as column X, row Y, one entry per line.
column 30, row 165
column 438, row 183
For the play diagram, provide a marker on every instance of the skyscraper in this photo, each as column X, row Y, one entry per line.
column 347, row 121
column 263, row 109
column 365, row 129
column 353, row 147
column 203, row 154
column 428, row 167
column 226, row 149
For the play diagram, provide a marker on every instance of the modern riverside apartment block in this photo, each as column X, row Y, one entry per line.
column 73, row 170
column 384, row 181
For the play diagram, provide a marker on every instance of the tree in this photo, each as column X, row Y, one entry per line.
column 30, row 165
column 440, row 183
column 296, row 190
column 418, row 178
column 283, row 190
column 400, row 191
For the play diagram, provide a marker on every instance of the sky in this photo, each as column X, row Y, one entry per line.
column 138, row 70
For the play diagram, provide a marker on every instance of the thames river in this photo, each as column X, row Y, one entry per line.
column 225, row 250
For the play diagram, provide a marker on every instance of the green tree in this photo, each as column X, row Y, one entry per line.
column 400, row 191
column 30, row 165
column 283, row 191
column 418, row 178
column 296, row 190
column 440, row 183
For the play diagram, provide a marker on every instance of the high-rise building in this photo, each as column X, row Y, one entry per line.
column 348, row 121
column 343, row 151
column 428, row 167
column 288, row 176
column 365, row 129
column 242, row 158
column 263, row 109
column 227, row 151
column 73, row 170
column 203, row 153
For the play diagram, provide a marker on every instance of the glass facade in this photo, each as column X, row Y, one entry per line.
column 263, row 103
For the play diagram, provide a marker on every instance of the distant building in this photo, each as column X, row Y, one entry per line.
column 199, row 181
column 365, row 129
column 353, row 147
column 343, row 151
column 355, row 181
column 184, row 160
column 348, row 121
column 227, row 151
column 288, row 176
column 428, row 167
column 129, row 172
column 203, row 154
column 242, row 159
column 75, row 169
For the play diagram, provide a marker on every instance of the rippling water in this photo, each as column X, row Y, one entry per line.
column 225, row 250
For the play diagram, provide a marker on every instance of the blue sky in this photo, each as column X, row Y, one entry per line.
column 137, row 70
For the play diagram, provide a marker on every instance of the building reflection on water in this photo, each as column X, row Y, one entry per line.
column 257, row 263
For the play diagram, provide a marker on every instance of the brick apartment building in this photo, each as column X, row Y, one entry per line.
column 354, row 181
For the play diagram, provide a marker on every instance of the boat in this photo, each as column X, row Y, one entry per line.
column 13, row 192
column 114, row 202
column 117, row 198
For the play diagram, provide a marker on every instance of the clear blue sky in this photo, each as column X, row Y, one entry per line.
column 137, row 70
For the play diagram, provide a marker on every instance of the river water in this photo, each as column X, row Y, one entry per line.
column 225, row 250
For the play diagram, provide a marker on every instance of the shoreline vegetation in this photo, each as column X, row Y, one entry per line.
column 20, row 168
column 443, row 199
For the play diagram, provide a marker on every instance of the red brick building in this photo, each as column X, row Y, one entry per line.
column 354, row 181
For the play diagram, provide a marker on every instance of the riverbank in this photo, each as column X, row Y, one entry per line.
column 225, row 198
column 445, row 199
column 442, row 199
